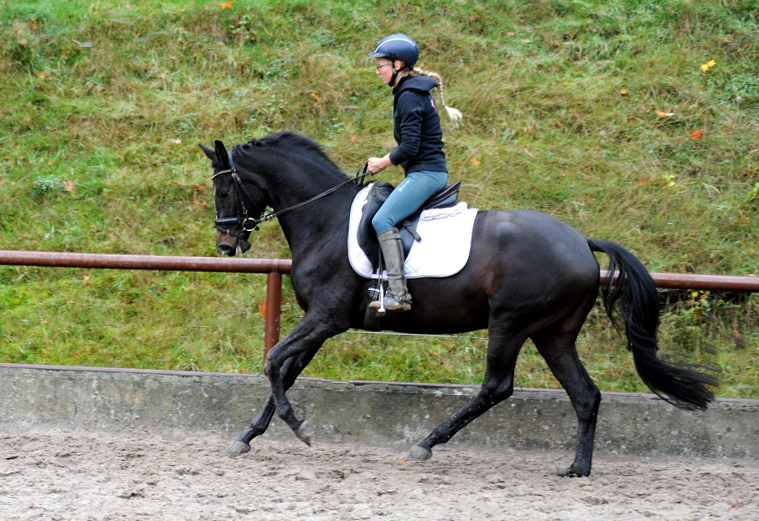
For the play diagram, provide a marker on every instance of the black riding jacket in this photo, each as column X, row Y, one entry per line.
column 416, row 125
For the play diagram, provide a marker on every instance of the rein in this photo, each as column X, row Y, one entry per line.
column 248, row 224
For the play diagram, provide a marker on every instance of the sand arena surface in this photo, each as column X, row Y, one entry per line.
column 60, row 474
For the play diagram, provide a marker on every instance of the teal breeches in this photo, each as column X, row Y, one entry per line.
column 408, row 197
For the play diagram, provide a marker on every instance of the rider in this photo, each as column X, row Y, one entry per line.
column 416, row 126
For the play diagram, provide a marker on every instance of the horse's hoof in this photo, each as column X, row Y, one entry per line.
column 571, row 472
column 304, row 433
column 237, row 448
column 419, row 453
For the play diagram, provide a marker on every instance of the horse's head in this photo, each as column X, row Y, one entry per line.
column 238, row 201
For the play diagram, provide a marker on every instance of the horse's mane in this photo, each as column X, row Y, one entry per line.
column 297, row 145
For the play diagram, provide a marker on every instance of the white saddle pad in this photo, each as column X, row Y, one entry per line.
column 443, row 251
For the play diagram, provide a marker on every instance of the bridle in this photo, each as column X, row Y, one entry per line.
column 248, row 223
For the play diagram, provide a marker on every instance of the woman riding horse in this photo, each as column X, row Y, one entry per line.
column 416, row 126
column 528, row 276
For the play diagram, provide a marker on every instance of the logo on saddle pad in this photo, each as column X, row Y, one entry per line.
column 436, row 239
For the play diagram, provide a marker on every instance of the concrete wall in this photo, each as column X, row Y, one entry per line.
column 378, row 413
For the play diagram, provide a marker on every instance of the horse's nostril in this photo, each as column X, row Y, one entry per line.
column 224, row 249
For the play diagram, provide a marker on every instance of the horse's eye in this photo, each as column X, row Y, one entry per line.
column 223, row 195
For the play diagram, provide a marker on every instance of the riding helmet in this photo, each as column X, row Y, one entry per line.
column 397, row 47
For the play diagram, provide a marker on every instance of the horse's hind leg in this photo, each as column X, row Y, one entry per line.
column 498, row 385
column 559, row 350
column 290, row 371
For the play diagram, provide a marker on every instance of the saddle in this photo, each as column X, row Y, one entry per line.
column 378, row 193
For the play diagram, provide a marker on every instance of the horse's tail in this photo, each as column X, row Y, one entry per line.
column 674, row 381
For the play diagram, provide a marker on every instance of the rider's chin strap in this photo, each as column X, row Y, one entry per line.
column 392, row 79
column 395, row 75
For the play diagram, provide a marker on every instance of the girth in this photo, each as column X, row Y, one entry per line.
column 378, row 193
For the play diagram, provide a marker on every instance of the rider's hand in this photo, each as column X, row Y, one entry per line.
column 377, row 164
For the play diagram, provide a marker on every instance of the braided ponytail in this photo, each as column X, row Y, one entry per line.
column 454, row 114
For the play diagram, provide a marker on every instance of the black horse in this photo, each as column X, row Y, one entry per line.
column 528, row 276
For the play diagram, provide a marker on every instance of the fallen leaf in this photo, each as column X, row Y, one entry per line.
column 315, row 97
column 69, row 187
column 201, row 203
column 51, row 162
column 176, row 141
column 696, row 134
column 664, row 114
column 475, row 161
column 86, row 278
column 630, row 118
column 42, row 75
column 529, row 153
column 708, row 65
column 262, row 308
column 644, row 180
column 86, row 45
column 180, row 183
column 226, row 5
column 401, row 462
column 353, row 139
column 623, row 92
column 199, row 186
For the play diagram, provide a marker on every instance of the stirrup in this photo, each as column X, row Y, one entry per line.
column 392, row 303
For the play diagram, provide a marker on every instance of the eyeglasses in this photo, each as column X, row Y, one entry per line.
column 383, row 65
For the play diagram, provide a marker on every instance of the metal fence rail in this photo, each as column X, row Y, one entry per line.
column 275, row 268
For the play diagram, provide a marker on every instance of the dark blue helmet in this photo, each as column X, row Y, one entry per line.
column 397, row 47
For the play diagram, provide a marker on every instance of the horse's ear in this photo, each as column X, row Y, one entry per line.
column 221, row 155
column 209, row 153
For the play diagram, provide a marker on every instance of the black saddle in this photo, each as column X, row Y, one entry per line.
column 367, row 237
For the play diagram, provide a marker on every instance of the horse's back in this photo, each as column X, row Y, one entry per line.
column 522, row 263
column 534, row 252
column 533, row 234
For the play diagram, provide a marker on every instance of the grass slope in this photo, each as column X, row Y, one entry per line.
column 605, row 114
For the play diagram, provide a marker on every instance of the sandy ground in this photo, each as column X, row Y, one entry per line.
column 57, row 474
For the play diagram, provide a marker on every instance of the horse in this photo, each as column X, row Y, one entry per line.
column 529, row 276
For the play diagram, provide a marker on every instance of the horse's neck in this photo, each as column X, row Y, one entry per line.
column 311, row 225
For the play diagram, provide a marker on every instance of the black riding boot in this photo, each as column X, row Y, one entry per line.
column 397, row 297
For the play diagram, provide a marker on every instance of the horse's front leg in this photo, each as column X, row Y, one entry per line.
column 307, row 337
column 290, row 371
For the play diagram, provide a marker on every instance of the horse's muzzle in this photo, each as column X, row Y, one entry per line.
column 227, row 244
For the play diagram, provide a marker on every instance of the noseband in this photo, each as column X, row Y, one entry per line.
column 248, row 223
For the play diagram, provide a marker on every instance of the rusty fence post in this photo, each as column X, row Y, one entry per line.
column 273, row 310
